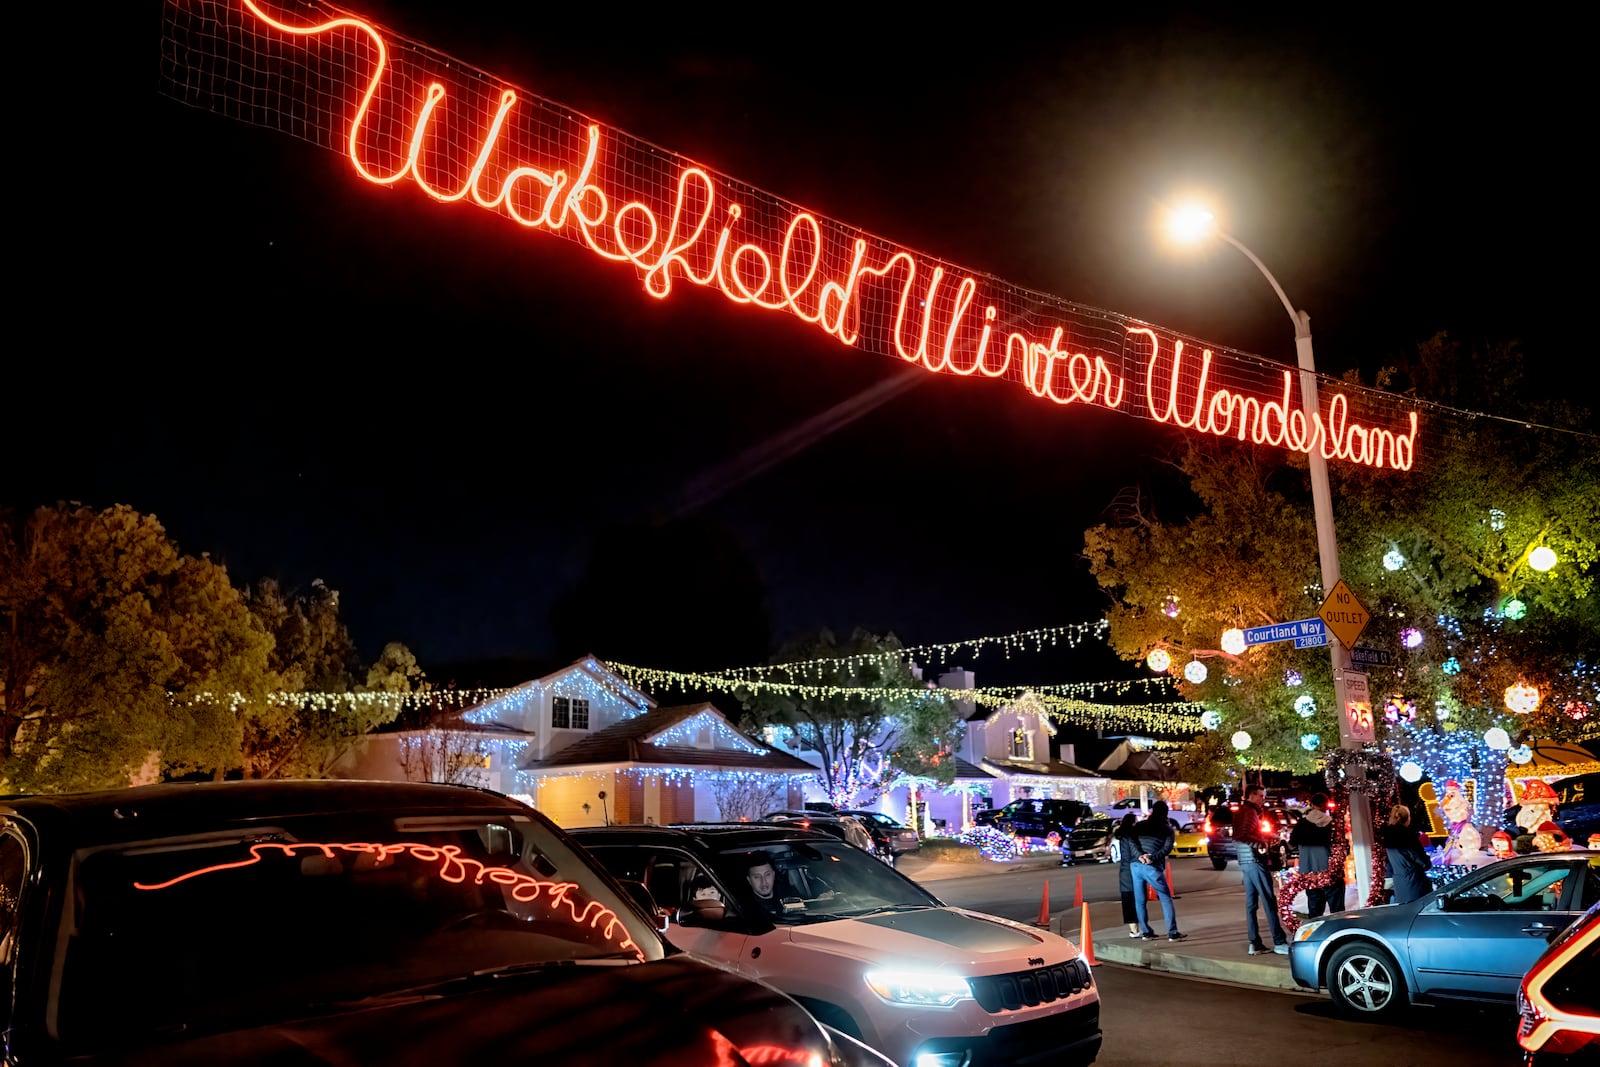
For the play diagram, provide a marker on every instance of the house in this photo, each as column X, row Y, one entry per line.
column 1135, row 769
column 586, row 748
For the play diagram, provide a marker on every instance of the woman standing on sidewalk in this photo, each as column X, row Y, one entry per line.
column 1123, row 844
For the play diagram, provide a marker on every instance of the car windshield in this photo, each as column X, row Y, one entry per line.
column 216, row 931
column 820, row 880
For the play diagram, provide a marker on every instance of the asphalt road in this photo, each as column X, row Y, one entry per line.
column 1151, row 1018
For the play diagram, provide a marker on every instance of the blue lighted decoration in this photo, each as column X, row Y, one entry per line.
column 1451, row 666
column 1309, row 742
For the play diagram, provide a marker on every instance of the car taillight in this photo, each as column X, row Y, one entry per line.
column 1206, row 829
column 1266, row 826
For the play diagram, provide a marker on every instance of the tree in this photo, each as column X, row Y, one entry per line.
column 454, row 757
column 849, row 706
column 115, row 646
column 1442, row 551
column 742, row 798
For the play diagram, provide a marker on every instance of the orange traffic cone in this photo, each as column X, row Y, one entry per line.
column 1044, row 907
column 1086, row 941
column 1171, row 891
column 1150, row 892
column 1077, row 894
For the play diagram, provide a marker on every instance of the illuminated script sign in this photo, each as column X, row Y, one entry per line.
column 405, row 114
column 452, row 867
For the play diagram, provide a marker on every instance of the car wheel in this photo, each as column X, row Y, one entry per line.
column 1218, row 862
column 1364, row 980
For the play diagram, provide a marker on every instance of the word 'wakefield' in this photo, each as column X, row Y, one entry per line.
column 408, row 114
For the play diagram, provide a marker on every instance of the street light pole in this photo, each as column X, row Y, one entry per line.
column 1360, row 811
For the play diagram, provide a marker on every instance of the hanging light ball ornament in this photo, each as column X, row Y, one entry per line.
column 1411, row 637
column 1522, row 698
column 1211, row 719
column 1451, row 666
column 1170, row 608
column 1233, row 641
column 1195, row 671
column 1393, row 560
column 1411, row 771
column 1441, row 710
column 1309, row 742
column 1519, row 754
column 1576, row 710
column 1541, row 559
column 1305, row 705
column 1398, row 709
column 1497, row 739
column 1159, row 660
column 1293, row 679
column 1514, row 609
column 1241, row 740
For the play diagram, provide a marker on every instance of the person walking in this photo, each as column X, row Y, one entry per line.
column 1154, row 839
column 1313, row 837
column 1252, row 846
column 1408, row 861
column 1125, row 848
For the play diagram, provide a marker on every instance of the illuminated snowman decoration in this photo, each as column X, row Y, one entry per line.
column 1454, row 804
column 1468, row 841
column 1538, row 805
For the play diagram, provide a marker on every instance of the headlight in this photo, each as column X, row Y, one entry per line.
column 1307, row 929
column 918, row 987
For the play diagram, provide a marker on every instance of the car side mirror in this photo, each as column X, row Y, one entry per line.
column 647, row 903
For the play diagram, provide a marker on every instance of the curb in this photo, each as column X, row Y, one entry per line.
column 1170, row 961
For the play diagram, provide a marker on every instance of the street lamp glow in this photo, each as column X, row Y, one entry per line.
column 1190, row 222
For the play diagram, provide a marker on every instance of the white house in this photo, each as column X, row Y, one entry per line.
column 586, row 748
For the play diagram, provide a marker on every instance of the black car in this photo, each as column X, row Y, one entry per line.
column 1038, row 817
column 893, row 839
column 325, row 922
column 1218, row 829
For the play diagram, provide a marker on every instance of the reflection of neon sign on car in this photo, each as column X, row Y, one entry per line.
column 454, row 868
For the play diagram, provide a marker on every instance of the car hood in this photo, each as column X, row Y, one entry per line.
column 669, row 1012
column 934, row 936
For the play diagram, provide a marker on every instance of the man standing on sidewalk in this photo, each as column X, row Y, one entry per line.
column 1252, row 844
column 1153, row 838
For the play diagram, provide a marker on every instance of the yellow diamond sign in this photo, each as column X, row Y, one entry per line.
column 1343, row 614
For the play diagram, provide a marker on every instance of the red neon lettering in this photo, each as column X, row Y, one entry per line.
column 454, row 868
column 1225, row 413
column 692, row 246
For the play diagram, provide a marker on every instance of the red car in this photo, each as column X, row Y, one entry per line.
column 1559, row 1002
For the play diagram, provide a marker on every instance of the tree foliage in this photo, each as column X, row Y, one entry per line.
column 114, row 645
column 853, row 733
column 1243, row 553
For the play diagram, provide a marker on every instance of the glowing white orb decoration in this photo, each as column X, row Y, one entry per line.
column 1522, row 698
column 1393, row 560
column 1309, row 742
column 1411, row 637
column 1293, row 679
column 1159, row 660
column 1519, row 754
column 1241, row 740
column 1195, row 671
column 1411, row 771
column 1497, row 739
column 1441, row 710
column 1541, row 559
column 1233, row 641
column 1497, row 519
column 1305, row 705
column 1211, row 719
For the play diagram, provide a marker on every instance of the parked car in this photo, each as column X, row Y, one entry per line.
column 1557, row 1005
column 1088, row 842
column 284, row 922
column 1191, row 840
column 1038, row 817
column 1218, row 828
column 1472, row 939
column 864, row 948
column 846, row 828
column 893, row 837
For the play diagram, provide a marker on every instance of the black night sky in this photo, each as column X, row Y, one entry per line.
column 466, row 428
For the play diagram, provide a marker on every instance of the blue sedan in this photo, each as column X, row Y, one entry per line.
column 1470, row 940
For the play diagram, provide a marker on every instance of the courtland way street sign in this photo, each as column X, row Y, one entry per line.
column 1343, row 614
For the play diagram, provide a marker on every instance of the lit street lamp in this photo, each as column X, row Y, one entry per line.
column 1191, row 224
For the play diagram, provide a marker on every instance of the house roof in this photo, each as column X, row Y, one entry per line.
column 1048, row 769
column 628, row 741
column 970, row 770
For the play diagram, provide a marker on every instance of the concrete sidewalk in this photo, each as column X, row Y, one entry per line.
column 1213, row 919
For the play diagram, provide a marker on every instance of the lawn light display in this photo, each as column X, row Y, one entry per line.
column 405, row 115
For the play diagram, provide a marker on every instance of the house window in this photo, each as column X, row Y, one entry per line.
column 569, row 713
column 1021, row 745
